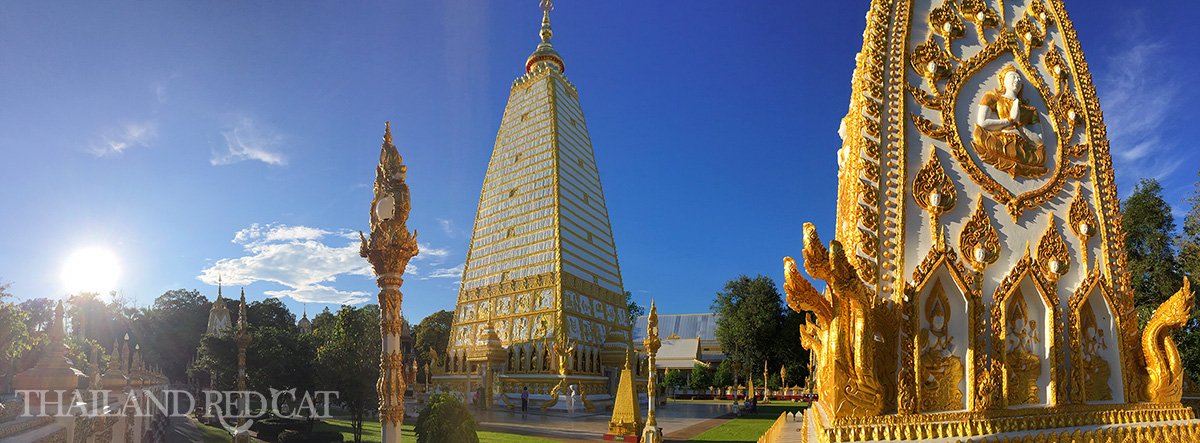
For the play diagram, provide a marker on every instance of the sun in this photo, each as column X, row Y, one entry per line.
column 92, row 269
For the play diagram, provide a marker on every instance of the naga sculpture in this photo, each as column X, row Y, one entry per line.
column 843, row 337
column 1162, row 356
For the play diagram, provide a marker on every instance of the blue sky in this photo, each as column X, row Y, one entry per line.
column 239, row 138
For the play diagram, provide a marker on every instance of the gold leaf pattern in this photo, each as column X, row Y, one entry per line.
column 979, row 231
column 1052, row 252
column 932, row 189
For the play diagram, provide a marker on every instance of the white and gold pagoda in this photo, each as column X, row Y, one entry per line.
column 541, row 271
column 976, row 287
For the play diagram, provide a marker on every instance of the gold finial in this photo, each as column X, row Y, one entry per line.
column 545, row 51
column 242, row 312
column 546, row 32
column 387, row 133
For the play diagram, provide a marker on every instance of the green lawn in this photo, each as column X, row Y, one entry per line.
column 504, row 437
column 748, row 427
column 209, row 434
column 371, row 433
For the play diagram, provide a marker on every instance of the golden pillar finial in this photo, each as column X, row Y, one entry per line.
column 546, row 32
column 387, row 133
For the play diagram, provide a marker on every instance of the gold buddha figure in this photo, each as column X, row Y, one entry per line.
column 1024, row 364
column 1007, row 130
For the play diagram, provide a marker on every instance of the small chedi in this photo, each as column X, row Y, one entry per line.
column 976, row 285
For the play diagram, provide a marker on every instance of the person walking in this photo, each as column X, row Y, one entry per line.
column 524, row 399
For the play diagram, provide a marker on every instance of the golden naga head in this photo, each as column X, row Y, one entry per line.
column 1163, row 364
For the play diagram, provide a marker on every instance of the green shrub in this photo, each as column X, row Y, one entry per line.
column 268, row 429
column 445, row 419
column 700, row 379
column 290, row 436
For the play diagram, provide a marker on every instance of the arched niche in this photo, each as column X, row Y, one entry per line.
column 944, row 344
column 1026, row 337
column 1095, row 341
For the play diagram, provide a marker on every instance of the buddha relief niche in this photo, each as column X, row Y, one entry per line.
column 1095, row 369
column 940, row 347
column 1022, row 360
column 1095, row 348
column 1008, row 132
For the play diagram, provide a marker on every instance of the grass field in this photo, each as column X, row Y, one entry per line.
column 209, row 434
column 748, row 427
column 371, row 433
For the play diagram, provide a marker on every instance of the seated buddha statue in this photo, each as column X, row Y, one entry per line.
column 1007, row 130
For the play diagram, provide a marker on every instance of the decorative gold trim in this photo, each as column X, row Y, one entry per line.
column 1052, row 256
column 1083, row 223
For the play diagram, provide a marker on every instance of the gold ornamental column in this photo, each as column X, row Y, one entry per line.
column 389, row 249
column 242, row 339
column 651, row 433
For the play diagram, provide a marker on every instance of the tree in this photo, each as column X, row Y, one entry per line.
column 95, row 319
column 1149, row 229
column 14, row 337
column 276, row 358
column 674, row 378
column 170, row 330
column 1189, row 262
column 433, row 333
column 634, row 309
column 323, row 320
column 445, row 419
column 723, row 376
column 217, row 360
column 40, row 313
column 348, row 361
column 749, row 312
column 1189, row 240
column 270, row 312
column 701, row 379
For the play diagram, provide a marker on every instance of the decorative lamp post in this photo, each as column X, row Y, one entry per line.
column 765, row 385
column 389, row 249
column 783, row 379
column 242, row 338
column 651, row 434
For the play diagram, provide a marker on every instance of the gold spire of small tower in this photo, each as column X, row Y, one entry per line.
column 545, row 51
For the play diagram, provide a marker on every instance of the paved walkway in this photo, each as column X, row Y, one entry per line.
column 679, row 422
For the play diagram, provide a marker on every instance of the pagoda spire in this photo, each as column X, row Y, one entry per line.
column 545, row 51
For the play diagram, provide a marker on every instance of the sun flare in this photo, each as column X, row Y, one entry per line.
column 91, row 269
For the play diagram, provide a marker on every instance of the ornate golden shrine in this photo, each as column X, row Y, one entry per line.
column 977, row 281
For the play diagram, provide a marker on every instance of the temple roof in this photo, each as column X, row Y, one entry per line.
column 702, row 326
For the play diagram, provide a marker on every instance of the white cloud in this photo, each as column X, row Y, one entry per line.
column 116, row 141
column 1140, row 98
column 322, row 294
column 436, row 255
column 247, row 140
column 447, row 226
column 160, row 92
column 455, row 272
column 300, row 258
